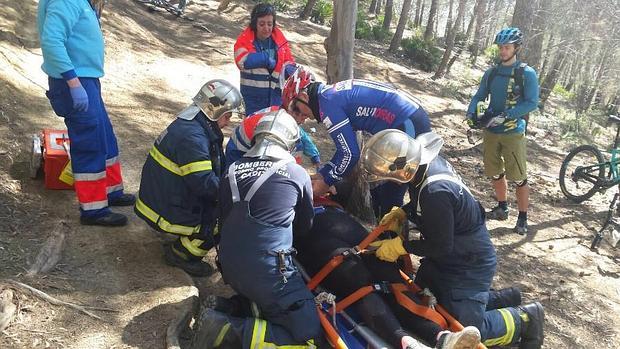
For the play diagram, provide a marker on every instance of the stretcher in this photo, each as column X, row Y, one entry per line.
column 342, row 331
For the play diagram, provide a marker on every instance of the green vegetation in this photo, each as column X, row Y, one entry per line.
column 422, row 53
column 322, row 12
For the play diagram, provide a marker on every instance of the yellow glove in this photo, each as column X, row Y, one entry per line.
column 394, row 220
column 390, row 249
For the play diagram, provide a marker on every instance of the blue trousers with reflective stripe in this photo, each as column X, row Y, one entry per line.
column 91, row 134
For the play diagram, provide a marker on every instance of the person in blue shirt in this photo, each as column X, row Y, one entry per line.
column 72, row 47
column 349, row 106
column 513, row 90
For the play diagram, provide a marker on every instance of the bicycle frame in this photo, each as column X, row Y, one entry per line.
column 612, row 166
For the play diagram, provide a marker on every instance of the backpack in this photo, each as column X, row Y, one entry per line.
column 517, row 75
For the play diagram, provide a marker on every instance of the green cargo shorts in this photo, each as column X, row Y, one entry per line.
column 505, row 153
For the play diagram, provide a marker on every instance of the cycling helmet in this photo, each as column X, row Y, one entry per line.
column 510, row 35
column 296, row 83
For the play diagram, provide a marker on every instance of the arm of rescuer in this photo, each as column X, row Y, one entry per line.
column 438, row 234
column 304, row 210
column 193, row 153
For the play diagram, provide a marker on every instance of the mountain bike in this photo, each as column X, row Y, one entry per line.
column 585, row 172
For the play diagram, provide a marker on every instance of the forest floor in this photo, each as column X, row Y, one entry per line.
column 155, row 63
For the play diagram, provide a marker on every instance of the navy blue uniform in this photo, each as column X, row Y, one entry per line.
column 459, row 259
column 261, row 202
column 180, row 182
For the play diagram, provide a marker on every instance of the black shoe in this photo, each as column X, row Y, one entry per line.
column 237, row 305
column 110, row 220
column 497, row 213
column 532, row 334
column 192, row 265
column 123, row 200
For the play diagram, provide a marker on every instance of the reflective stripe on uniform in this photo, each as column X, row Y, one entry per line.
column 111, row 161
column 260, row 84
column 510, row 331
column 197, row 166
column 193, row 246
column 95, row 205
column 162, row 223
column 258, row 339
column 114, row 188
column 88, row 176
column 221, row 335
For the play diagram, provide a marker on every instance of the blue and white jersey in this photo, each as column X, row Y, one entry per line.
column 362, row 105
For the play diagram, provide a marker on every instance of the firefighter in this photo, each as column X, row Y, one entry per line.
column 72, row 47
column 181, row 176
column 459, row 259
column 266, row 197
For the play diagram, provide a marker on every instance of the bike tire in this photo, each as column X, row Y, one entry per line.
column 589, row 151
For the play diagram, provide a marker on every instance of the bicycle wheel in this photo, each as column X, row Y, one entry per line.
column 580, row 173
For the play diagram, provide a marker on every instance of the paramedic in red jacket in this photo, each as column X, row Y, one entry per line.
column 261, row 52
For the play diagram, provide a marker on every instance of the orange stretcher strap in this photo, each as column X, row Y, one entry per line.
column 352, row 298
column 420, row 310
column 330, row 332
column 337, row 260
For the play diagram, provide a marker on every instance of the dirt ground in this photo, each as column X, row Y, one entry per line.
column 155, row 62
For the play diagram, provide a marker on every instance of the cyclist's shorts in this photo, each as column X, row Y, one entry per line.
column 505, row 153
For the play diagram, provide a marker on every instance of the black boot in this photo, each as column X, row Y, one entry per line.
column 123, row 200
column 237, row 305
column 532, row 333
column 110, row 220
column 190, row 264
column 504, row 298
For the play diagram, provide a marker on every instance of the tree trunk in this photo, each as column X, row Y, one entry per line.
column 402, row 23
column 523, row 19
column 533, row 54
column 448, row 22
column 373, row 7
column 418, row 8
column 307, row 10
column 379, row 6
column 422, row 13
column 387, row 19
column 478, row 29
column 470, row 28
column 340, row 42
column 430, row 25
column 552, row 76
column 450, row 41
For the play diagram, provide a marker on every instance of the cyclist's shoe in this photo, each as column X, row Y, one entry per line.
column 532, row 333
column 497, row 213
column 409, row 343
column 467, row 338
column 521, row 227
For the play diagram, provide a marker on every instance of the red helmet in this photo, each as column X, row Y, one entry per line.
column 295, row 84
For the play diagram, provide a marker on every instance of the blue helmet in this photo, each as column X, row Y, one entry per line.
column 510, row 35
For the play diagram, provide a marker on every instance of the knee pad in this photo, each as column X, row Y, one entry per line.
column 498, row 177
column 521, row 183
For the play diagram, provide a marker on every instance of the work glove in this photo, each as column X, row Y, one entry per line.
column 390, row 249
column 471, row 121
column 394, row 220
column 80, row 98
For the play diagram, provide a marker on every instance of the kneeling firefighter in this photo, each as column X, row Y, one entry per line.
column 181, row 176
column 459, row 259
column 265, row 198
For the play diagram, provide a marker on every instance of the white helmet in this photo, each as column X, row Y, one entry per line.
column 393, row 155
column 275, row 136
column 218, row 97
